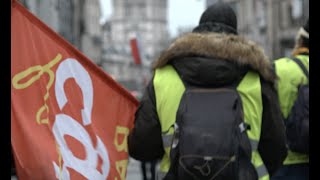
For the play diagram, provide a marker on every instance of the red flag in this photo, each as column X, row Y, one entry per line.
column 135, row 51
column 69, row 120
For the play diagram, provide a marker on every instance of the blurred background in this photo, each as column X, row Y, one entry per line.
column 104, row 29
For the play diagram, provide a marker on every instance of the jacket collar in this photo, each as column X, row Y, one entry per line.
column 217, row 45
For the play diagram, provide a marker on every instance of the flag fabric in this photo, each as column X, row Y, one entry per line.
column 69, row 119
column 135, row 51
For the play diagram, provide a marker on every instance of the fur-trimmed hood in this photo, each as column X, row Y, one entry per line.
column 231, row 48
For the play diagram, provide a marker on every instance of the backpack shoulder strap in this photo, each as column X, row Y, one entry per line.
column 303, row 68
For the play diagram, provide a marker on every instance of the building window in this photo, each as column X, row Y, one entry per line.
column 261, row 16
column 284, row 14
column 296, row 12
column 66, row 12
column 297, row 6
column 127, row 8
column 210, row 2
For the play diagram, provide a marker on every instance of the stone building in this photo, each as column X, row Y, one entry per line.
column 271, row 23
column 145, row 20
column 77, row 21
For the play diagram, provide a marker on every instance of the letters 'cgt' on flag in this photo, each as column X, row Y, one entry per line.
column 69, row 120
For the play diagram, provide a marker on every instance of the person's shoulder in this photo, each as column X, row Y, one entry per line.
column 282, row 59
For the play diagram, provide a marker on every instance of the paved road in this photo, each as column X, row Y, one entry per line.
column 134, row 171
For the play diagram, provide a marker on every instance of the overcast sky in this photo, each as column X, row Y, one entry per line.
column 181, row 13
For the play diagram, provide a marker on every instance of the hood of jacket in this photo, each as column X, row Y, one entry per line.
column 215, row 58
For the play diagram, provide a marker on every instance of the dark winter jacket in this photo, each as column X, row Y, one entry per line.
column 212, row 60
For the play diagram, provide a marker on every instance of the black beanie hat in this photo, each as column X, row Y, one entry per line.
column 218, row 17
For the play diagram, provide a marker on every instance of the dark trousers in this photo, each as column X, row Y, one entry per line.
column 292, row 172
column 151, row 170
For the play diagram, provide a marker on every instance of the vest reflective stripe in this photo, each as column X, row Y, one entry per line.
column 167, row 102
column 287, row 93
column 168, row 91
column 262, row 171
column 168, row 99
column 250, row 93
column 254, row 144
column 167, row 140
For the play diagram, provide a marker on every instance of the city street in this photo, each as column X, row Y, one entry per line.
column 134, row 170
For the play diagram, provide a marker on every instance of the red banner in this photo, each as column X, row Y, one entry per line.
column 69, row 120
column 135, row 51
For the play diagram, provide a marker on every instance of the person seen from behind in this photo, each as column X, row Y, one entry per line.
column 194, row 138
column 293, row 72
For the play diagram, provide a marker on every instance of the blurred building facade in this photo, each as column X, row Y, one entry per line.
column 145, row 20
column 108, row 45
column 273, row 24
column 75, row 20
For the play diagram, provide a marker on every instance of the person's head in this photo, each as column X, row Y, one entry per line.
column 302, row 39
column 219, row 18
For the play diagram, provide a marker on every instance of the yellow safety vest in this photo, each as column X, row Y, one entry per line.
column 168, row 91
column 290, row 76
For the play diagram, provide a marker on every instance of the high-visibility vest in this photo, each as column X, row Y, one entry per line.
column 290, row 76
column 168, row 91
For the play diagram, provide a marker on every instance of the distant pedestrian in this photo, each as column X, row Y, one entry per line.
column 148, row 169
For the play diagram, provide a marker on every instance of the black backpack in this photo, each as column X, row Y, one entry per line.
column 210, row 140
column 297, row 123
